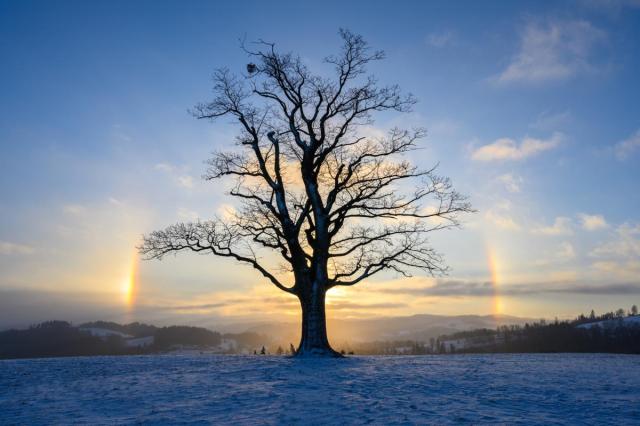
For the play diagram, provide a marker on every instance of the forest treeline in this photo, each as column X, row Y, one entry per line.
column 611, row 332
column 60, row 338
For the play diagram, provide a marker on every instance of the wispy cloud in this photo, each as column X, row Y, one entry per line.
column 565, row 251
column 440, row 39
column 183, row 180
column 592, row 222
column 620, row 256
column 9, row 248
column 624, row 149
column 344, row 305
column 74, row 209
column 625, row 245
column 511, row 182
column 561, row 226
column 506, row 149
column 237, row 304
column 187, row 215
column 501, row 220
column 624, row 269
column 164, row 167
column 610, row 7
column 553, row 51
column 548, row 121
column 459, row 288
column 561, row 254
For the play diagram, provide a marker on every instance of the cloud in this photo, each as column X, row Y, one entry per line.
column 553, row 51
column 511, row 183
column 499, row 215
column 592, row 222
column 440, row 39
column 610, row 7
column 187, row 215
column 182, row 180
column 565, row 251
column 226, row 211
column 501, row 220
column 74, row 209
column 164, row 167
column 547, row 121
column 459, row 288
column 506, row 149
column 561, row 226
column 626, row 244
column 199, row 307
column 611, row 289
column 8, row 248
column 185, row 181
column 343, row 305
column 624, row 149
column 628, row 269
column 620, row 256
column 445, row 288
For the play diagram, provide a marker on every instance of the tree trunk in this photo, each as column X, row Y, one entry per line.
column 313, row 340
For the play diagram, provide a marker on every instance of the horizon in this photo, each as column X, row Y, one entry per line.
column 532, row 112
column 15, row 318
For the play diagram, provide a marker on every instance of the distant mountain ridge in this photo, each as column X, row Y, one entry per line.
column 411, row 335
column 421, row 327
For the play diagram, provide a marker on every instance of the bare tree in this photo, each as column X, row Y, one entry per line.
column 316, row 192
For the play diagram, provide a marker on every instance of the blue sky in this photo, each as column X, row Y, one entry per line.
column 531, row 108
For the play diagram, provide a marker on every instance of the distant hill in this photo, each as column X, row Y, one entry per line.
column 608, row 334
column 60, row 338
column 612, row 323
column 415, row 327
column 417, row 334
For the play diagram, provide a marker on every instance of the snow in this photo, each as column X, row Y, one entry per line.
column 104, row 332
column 612, row 323
column 140, row 342
column 216, row 389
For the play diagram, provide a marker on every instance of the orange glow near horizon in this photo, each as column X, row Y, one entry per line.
column 130, row 283
column 494, row 279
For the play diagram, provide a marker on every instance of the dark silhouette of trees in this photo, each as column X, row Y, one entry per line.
column 167, row 337
column 334, row 204
column 247, row 339
column 60, row 338
column 604, row 333
column 55, row 339
column 135, row 329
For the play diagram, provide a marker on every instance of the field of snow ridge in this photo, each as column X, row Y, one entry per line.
column 205, row 389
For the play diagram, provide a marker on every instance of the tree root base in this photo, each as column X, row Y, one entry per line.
column 317, row 353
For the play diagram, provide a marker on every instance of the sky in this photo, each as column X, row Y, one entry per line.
column 531, row 109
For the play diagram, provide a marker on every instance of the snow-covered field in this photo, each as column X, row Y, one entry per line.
column 210, row 389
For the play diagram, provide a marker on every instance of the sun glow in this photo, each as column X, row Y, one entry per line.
column 494, row 279
column 129, row 284
column 336, row 294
